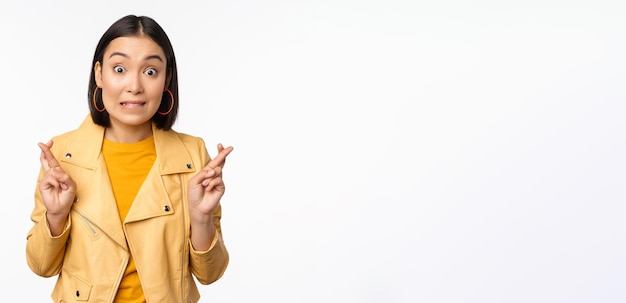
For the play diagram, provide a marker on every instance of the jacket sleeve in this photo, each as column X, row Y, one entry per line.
column 44, row 253
column 208, row 266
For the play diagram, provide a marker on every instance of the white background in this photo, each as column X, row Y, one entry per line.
column 385, row 151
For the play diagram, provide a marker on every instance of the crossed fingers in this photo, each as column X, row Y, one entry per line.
column 47, row 159
column 220, row 159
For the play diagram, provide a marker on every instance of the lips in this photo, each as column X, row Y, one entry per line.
column 131, row 104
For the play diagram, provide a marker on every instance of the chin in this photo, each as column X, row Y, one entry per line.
column 134, row 120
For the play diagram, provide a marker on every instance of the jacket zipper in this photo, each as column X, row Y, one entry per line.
column 86, row 221
column 119, row 278
column 182, row 260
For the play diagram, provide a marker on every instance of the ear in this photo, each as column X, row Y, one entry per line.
column 97, row 70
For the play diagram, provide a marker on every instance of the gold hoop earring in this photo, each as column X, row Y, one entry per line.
column 95, row 105
column 171, row 103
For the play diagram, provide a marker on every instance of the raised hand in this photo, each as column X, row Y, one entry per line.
column 207, row 187
column 56, row 187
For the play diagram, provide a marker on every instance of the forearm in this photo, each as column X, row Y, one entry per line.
column 202, row 233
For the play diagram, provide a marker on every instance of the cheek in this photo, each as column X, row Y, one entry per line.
column 111, row 91
column 155, row 92
column 112, row 85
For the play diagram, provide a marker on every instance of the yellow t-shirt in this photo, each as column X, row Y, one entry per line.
column 128, row 165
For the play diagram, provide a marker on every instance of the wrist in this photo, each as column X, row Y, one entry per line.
column 56, row 223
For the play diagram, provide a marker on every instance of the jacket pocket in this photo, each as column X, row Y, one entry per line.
column 79, row 288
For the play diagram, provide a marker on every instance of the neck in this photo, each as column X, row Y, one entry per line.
column 128, row 133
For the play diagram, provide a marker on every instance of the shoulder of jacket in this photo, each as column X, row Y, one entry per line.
column 67, row 137
column 190, row 141
column 61, row 141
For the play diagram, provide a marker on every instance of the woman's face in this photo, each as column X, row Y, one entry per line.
column 132, row 76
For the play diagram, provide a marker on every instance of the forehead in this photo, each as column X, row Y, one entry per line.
column 135, row 47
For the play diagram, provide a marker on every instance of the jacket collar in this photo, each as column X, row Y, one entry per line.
column 172, row 156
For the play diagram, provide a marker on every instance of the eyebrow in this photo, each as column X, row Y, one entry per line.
column 126, row 56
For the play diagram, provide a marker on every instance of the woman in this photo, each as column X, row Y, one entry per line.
column 127, row 209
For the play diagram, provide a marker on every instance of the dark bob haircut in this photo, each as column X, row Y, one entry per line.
column 128, row 26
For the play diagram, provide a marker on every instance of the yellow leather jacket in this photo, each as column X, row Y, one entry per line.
column 90, row 256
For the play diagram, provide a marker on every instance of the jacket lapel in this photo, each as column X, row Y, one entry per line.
column 98, row 203
column 161, row 185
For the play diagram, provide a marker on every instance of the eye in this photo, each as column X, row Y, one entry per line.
column 150, row 71
column 119, row 69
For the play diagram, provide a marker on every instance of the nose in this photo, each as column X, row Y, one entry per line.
column 134, row 84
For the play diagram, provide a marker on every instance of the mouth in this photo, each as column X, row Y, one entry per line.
column 132, row 104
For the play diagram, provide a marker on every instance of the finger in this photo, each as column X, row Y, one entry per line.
column 202, row 175
column 43, row 161
column 214, row 172
column 207, row 175
column 221, row 157
column 210, row 174
column 50, row 159
column 214, row 184
column 56, row 178
column 42, row 156
column 64, row 179
column 220, row 148
column 49, row 181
